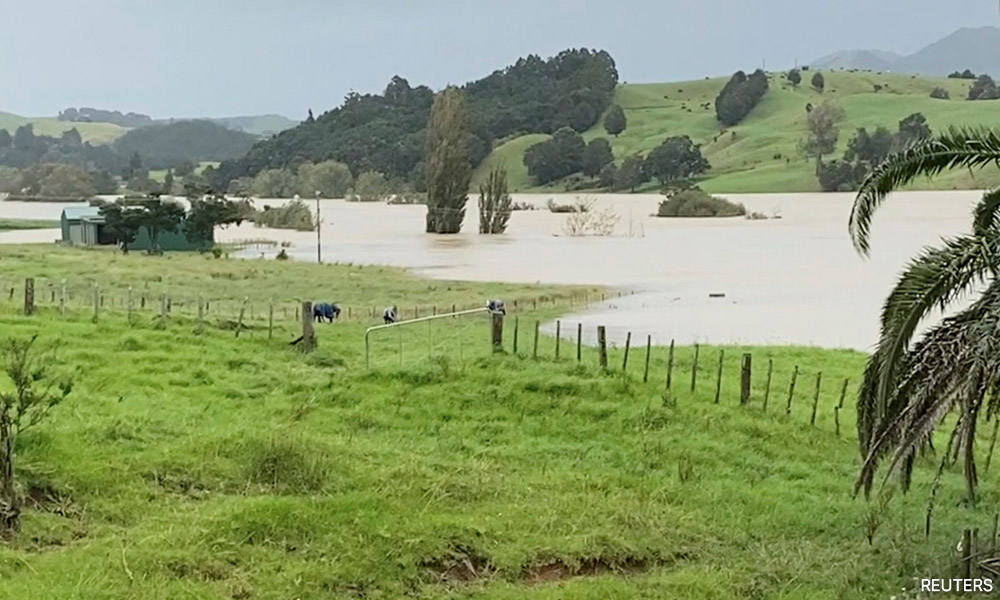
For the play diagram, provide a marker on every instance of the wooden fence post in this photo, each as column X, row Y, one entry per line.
column 163, row 306
column 201, row 313
column 515, row 334
column 718, row 376
column 670, row 366
column 308, row 335
column 649, row 348
column 128, row 311
column 534, row 351
column 558, row 336
column 746, row 367
column 602, row 347
column 243, row 310
column 579, row 342
column 97, row 302
column 791, row 390
column 497, row 332
column 843, row 392
column 270, row 318
column 62, row 299
column 694, row 368
column 767, row 386
column 29, row 296
column 819, row 380
column 966, row 563
column 628, row 344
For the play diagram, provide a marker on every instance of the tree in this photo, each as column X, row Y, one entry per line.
column 818, row 82
column 615, row 121
column 65, row 181
column 447, row 160
column 631, row 174
column 208, row 213
column 984, row 88
column 32, row 392
column 596, row 156
column 184, row 168
column 869, row 148
column 6, row 141
column 135, row 168
column 494, row 202
column 10, row 180
column 274, row 183
column 168, row 182
column 676, row 159
column 161, row 216
column 606, row 178
column 966, row 74
column 371, row 186
column 821, row 123
column 330, row 178
column 794, row 77
column 739, row 96
column 913, row 128
column 840, row 175
column 103, row 183
column 122, row 221
column 557, row 157
column 910, row 390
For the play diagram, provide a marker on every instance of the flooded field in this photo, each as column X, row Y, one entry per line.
column 794, row 280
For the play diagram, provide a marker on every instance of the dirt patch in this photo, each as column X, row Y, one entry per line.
column 46, row 498
column 458, row 565
column 559, row 569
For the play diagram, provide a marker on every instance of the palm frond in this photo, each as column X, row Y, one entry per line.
column 956, row 148
column 932, row 280
column 987, row 212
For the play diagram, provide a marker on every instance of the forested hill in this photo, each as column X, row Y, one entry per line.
column 385, row 132
column 165, row 146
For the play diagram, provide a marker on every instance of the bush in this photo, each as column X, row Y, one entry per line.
column 578, row 206
column 294, row 215
column 696, row 203
column 939, row 93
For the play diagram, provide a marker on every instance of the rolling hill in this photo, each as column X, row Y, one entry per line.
column 761, row 153
column 95, row 133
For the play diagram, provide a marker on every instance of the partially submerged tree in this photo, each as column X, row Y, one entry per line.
column 908, row 392
column 447, row 163
column 822, row 122
column 494, row 202
column 32, row 391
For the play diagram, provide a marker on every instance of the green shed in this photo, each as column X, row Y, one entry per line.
column 84, row 226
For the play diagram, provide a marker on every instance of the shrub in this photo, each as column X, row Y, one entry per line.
column 294, row 215
column 696, row 203
column 939, row 93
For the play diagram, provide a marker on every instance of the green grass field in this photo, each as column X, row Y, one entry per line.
column 761, row 153
column 95, row 133
column 199, row 465
column 17, row 224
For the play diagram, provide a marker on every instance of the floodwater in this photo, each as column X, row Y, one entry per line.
column 794, row 280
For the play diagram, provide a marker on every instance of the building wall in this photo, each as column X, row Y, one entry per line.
column 75, row 231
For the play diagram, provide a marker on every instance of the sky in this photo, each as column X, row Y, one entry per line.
column 214, row 58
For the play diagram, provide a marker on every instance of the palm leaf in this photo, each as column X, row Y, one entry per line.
column 957, row 148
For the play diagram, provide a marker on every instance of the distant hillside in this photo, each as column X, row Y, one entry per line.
column 163, row 146
column 872, row 60
column 95, row 133
column 977, row 49
column 262, row 125
column 96, row 115
column 761, row 154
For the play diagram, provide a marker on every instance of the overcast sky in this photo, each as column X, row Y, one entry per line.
column 186, row 58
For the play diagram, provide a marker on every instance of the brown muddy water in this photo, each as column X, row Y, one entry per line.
column 794, row 280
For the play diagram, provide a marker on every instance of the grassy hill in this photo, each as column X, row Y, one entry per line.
column 202, row 465
column 761, row 153
column 95, row 133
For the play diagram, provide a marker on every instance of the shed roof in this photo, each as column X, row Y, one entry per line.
column 76, row 213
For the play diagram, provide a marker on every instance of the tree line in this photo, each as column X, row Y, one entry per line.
column 387, row 133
